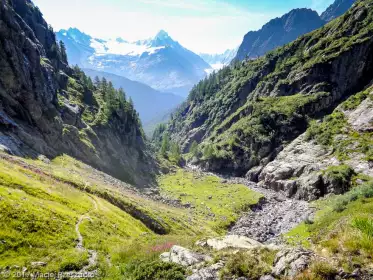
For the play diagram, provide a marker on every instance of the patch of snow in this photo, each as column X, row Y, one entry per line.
column 122, row 48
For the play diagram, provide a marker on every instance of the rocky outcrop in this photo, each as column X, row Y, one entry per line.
column 290, row 262
column 33, row 120
column 184, row 257
column 299, row 169
column 300, row 159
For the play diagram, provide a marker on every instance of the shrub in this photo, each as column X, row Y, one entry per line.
column 324, row 132
column 340, row 176
column 365, row 225
column 155, row 270
column 366, row 190
column 340, row 205
column 74, row 262
column 323, row 270
column 251, row 266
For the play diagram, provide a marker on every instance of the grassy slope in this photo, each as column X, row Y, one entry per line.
column 213, row 201
column 40, row 204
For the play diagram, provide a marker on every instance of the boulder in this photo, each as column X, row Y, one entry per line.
column 38, row 264
column 253, row 174
column 184, row 257
column 291, row 262
column 230, row 242
column 267, row 277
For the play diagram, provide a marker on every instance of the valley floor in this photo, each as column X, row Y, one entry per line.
column 64, row 216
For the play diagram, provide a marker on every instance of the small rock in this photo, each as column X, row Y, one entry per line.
column 290, row 262
column 38, row 264
column 165, row 257
column 44, row 159
column 207, row 273
column 267, row 277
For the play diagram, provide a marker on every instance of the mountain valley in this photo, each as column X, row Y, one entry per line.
column 109, row 169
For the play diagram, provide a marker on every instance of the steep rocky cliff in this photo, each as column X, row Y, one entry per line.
column 48, row 108
column 243, row 115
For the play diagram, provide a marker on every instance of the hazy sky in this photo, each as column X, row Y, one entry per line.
column 201, row 25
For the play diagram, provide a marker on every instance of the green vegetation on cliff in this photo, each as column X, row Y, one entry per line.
column 304, row 79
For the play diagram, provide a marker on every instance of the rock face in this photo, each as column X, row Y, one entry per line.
column 33, row 120
column 361, row 119
column 184, row 257
column 298, row 170
column 290, row 262
column 278, row 32
column 299, row 159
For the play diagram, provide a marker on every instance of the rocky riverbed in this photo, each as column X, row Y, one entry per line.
column 275, row 215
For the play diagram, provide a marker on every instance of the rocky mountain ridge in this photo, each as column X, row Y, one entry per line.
column 287, row 28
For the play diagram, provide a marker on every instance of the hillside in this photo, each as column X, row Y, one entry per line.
column 283, row 30
column 159, row 62
column 150, row 103
column 49, row 108
column 245, row 113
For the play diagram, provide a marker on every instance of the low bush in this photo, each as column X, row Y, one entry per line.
column 365, row 225
column 155, row 270
column 323, row 270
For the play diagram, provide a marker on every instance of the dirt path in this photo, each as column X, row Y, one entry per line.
column 92, row 254
column 273, row 216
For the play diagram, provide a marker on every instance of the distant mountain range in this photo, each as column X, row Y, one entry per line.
column 283, row 30
column 150, row 103
column 217, row 61
column 338, row 8
column 159, row 62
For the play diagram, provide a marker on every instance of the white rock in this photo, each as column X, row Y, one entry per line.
column 230, row 241
column 184, row 257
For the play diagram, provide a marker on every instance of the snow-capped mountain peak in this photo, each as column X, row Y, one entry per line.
column 160, row 61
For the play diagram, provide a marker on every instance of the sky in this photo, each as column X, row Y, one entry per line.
column 203, row 26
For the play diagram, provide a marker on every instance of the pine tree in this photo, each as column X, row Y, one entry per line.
column 208, row 152
column 175, row 152
column 97, row 82
column 165, row 144
column 194, row 149
column 63, row 52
